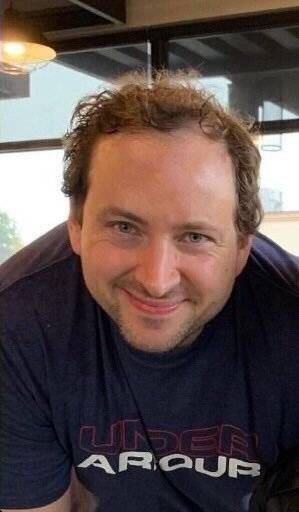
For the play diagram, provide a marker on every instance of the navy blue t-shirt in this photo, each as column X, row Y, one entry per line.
column 185, row 431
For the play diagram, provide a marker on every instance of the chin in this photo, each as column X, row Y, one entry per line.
column 156, row 342
column 150, row 347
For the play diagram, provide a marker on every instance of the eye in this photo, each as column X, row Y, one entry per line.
column 123, row 227
column 194, row 238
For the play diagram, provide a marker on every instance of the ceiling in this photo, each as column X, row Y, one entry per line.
column 60, row 21
column 247, row 56
column 56, row 18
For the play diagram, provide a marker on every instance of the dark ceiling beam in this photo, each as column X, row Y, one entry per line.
column 79, row 44
column 119, row 57
column 273, row 56
column 294, row 31
column 199, row 47
column 112, row 10
column 94, row 64
column 190, row 58
column 266, row 42
column 227, row 67
column 284, row 37
column 62, row 18
column 224, row 48
column 136, row 53
column 242, row 43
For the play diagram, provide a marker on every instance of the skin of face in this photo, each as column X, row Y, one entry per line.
column 158, row 244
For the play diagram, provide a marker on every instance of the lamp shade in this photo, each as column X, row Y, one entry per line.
column 22, row 49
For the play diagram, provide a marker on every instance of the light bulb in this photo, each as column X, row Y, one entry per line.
column 14, row 49
column 19, row 58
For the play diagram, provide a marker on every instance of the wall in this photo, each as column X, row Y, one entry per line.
column 284, row 229
column 152, row 12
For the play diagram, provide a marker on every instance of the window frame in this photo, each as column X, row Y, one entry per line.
column 159, row 39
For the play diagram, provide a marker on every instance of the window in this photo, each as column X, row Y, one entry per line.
column 40, row 106
column 253, row 71
column 256, row 73
column 279, row 190
column 30, row 197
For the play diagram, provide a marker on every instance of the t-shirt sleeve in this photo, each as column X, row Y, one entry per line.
column 274, row 277
column 281, row 267
column 34, row 466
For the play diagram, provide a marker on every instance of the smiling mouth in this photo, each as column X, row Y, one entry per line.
column 151, row 307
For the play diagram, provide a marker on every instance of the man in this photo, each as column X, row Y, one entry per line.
column 158, row 355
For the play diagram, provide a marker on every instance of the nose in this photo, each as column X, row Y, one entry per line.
column 157, row 268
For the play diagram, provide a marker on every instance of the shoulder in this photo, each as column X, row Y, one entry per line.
column 41, row 255
column 46, row 311
column 268, row 296
column 271, row 265
column 42, row 280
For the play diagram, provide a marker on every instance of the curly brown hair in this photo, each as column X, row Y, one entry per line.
column 169, row 102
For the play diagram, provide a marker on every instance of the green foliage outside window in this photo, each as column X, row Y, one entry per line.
column 10, row 242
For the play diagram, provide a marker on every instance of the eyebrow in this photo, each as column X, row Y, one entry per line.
column 121, row 212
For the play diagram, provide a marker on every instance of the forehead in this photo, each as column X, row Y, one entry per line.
column 185, row 151
column 183, row 168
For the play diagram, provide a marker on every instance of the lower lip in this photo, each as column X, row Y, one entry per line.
column 153, row 310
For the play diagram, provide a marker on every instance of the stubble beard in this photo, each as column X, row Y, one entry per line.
column 185, row 335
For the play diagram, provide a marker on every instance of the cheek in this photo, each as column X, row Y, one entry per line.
column 102, row 262
column 210, row 276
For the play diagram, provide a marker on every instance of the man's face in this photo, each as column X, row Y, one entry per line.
column 158, row 244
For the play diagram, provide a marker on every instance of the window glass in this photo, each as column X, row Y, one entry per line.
column 279, row 189
column 30, row 199
column 279, row 172
column 40, row 106
column 254, row 72
column 31, row 202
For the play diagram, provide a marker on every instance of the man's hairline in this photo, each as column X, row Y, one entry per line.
column 76, row 211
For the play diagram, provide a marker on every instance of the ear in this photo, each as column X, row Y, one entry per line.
column 74, row 229
column 244, row 246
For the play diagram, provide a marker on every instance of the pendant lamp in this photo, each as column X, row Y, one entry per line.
column 22, row 48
